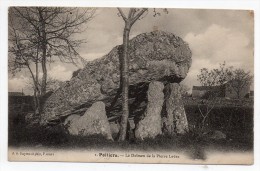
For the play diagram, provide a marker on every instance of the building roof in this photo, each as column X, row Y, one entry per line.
column 207, row 88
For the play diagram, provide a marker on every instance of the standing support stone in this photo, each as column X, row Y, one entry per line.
column 93, row 122
column 150, row 125
column 176, row 120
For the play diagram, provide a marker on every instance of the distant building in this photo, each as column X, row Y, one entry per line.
column 202, row 91
column 15, row 98
column 221, row 91
column 15, row 94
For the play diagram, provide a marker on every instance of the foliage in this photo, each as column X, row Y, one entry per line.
column 216, row 81
column 240, row 79
column 215, row 77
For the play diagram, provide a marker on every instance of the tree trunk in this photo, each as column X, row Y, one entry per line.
column 125, row 83
column 203, row 124
column 44, row 51
column 129, row 21
column 36, row 88
column 36, row 102
column 44, row 76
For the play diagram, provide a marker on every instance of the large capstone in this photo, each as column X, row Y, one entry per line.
column 176, row 120
column 150, row 125
column 155, row 56
column 93, row 122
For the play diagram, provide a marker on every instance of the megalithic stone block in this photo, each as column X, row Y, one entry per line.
column 176, row 120
column 93, row 122
column 150, row 125
column 154, row 56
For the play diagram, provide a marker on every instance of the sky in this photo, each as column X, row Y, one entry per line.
column 214, row 36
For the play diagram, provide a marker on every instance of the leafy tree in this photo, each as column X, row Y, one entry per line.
column 215, row 77
column 239, row 81
column 214, row 80
column 219, row 80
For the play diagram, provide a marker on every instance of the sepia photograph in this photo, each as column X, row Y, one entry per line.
column 131, row 85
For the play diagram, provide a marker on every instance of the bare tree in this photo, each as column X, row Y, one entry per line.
column 133, row 15
column 130, row 18
column 24, row 54
column 38, row 34
column 239, row 81
column 214, row 81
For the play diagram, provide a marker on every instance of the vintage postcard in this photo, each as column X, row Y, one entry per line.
column 132, row 85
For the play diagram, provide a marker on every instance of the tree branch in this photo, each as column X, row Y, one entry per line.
column 122, row 14
column 138, row 15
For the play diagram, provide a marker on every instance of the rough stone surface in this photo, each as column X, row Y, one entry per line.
column 150, row 125
column 176, row 120
column 114, row 127
column 93, row 122
column 157, row 56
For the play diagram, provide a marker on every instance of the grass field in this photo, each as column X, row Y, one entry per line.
column 234, row 121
